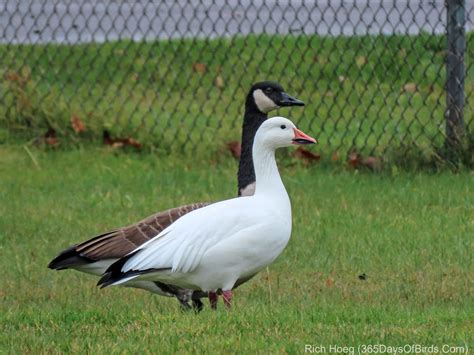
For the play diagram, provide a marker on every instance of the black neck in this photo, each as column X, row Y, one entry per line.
column 253, row 118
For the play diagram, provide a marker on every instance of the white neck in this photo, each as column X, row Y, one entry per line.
column 268, row 180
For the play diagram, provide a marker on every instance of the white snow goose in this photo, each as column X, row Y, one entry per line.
column 203, row 252
column 95, row 255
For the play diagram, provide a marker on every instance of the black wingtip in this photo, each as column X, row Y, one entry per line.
column 114, row 272
column 57, row 263
column 68, row 258
column 105, row 280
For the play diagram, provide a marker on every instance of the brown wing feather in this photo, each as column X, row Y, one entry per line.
column 117, row 243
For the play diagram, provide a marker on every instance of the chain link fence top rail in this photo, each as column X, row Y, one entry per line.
column 175, row 73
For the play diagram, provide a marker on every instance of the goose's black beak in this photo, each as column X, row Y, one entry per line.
column 302, row 138
column 287, row 100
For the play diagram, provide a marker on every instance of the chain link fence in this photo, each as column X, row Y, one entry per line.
column 174, row 74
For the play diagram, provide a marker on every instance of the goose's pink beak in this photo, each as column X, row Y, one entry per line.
column 302, row 138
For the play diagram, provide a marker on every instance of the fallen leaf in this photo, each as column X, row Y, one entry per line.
column 354, row 159
column 373, row 163
column 77, row 125
column 235, row 149
column 132, row 142
column 329, row 282
column 307, row 156
column 219, row 82
column 410, row 87
column 50, row 138
column 361, row 61
column 120, row 142
column 199, row 67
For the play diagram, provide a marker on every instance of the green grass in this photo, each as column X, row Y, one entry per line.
column 353, row 87
column 411, row 234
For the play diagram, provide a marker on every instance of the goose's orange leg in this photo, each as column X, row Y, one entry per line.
column 227, row 295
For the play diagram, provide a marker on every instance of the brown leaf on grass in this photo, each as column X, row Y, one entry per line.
column 219, row 82
column 306, row 156
column 373, row 163
column 354, row 159
column 199, row 68
column 120, row 142
column 235, row 148
column 335, row 156
column 132, row 142
column 77, row 125
column 361, row 61
column 410, row 87
column 50, row 138
column 329, row 282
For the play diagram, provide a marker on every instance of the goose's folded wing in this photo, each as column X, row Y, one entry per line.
column 180, row 251
column 118, row 243
column 182, row 246
column 174, row 249
column 122, row 241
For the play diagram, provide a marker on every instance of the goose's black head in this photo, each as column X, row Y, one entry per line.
column 268, row 95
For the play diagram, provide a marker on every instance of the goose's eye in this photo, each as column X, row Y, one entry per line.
column 268, row 90
column 282, row 126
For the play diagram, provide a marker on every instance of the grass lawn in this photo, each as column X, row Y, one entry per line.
column 410, row 234
column 376, row 93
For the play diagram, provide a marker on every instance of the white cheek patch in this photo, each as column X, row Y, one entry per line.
column 263, row 102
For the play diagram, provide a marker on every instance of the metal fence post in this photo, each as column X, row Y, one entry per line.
column 455, row 127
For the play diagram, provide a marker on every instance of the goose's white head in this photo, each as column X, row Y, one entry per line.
column 278, row 132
